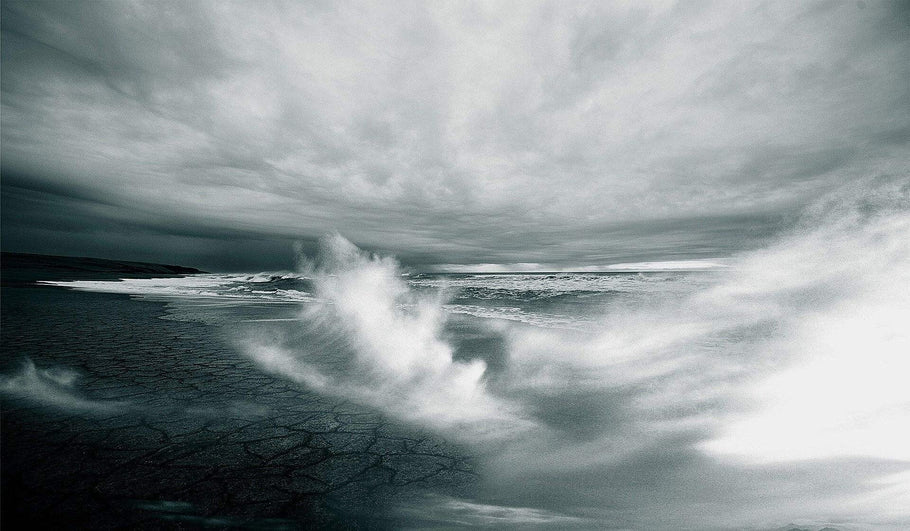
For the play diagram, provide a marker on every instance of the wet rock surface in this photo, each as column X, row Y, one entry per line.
column 114, row 417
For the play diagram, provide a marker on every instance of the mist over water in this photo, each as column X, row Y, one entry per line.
column 771, row 392
column 768, row 392
column 373, row 340
column 776, row 393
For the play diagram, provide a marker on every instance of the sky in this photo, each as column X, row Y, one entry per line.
column 228, row 135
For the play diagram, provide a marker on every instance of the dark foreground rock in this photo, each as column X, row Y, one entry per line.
column 115, row 418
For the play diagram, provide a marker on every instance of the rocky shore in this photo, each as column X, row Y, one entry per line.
column 114, row 417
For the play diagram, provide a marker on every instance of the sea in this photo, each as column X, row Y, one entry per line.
column 758, row 390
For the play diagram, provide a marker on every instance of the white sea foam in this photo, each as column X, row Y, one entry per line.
column 543, row 320
column 206, row 286
column 533, row 267
column 398, row 359
column 560, row 283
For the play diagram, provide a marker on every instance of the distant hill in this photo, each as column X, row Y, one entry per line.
column 17, row 268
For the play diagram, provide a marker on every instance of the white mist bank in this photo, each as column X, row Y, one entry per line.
column 840, row 287
column 796, row 354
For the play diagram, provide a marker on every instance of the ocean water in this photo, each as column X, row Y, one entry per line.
column 767, row 392
column 547, row 300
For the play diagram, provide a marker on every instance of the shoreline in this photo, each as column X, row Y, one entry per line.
column 127, row 419
column 18, row 269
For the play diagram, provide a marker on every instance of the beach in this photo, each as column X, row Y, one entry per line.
column 113, row 417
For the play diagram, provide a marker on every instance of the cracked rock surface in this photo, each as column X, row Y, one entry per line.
column 123, row 419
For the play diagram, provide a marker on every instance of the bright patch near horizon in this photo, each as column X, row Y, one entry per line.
column 847, row 396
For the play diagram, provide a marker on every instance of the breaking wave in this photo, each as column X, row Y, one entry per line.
column 807, row 336
column 372, row 339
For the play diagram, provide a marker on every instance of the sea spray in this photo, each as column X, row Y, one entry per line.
column 684, row 399
column 840, row 284
column 373, row 340
column 796, row 353
column 55, row 387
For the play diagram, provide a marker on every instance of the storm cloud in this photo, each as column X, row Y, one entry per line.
column 460, row 133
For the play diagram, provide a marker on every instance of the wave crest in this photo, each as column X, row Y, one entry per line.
column 371, row 339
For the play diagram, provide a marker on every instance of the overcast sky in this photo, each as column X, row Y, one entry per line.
column 217, row 134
